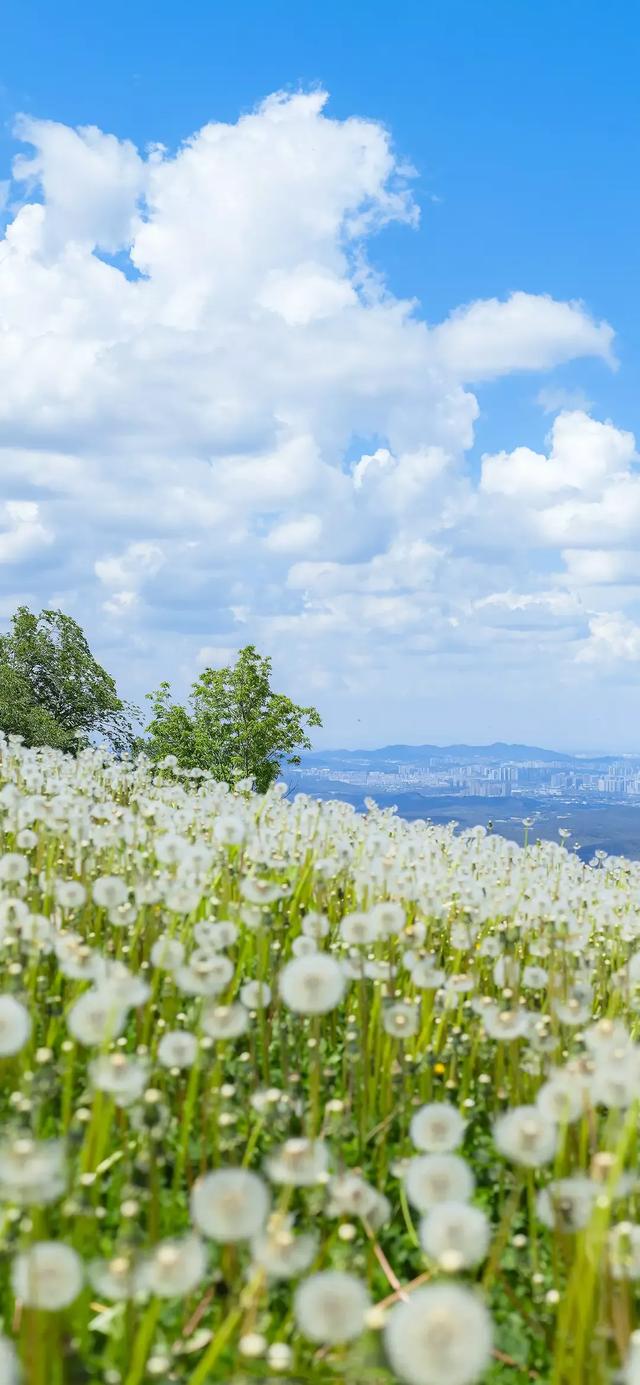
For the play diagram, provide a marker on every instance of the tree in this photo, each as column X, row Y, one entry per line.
column 53, row 691
column 235, row 726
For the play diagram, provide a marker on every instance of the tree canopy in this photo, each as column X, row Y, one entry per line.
column 52, row 689
column 234, row 725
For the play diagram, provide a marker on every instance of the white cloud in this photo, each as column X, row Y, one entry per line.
column 307, row 293
column 594, row 567
column 554, row 399
column 23, row 531
column 215, row 655
column 91, row 183
column 612, row 638
column 219, row 424
column 121, row 603
column 295, row 535
column 531, row 610
column 137, row 562
column 584, row 456
column 527, row 332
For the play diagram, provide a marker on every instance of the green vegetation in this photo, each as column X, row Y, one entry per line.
column 294, row 1093
column 235, row 726
column 54, row 693
column 52, row 690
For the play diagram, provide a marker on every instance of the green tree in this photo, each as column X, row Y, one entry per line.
column 53, row 691
column 235, row 726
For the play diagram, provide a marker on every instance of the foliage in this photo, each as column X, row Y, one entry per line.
column 313, row 1003
column 235, row 725
column 53, row 691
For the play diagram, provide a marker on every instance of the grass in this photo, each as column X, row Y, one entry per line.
column 487, row 970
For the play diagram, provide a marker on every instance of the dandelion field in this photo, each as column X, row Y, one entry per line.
column 293, row 1094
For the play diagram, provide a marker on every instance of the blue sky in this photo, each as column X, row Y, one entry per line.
column 521, row 124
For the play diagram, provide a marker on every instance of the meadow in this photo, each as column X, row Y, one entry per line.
column 291, row 1093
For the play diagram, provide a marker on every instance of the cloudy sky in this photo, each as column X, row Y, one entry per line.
column 321, row 336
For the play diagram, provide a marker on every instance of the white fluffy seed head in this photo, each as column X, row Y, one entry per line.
column 9, row 1368
column 440, row 1335
column 175, row 1268
column 48, row 1275
column 96, row 1017
column 455, row 1235
column 256, row 995
column 178, row 1048
column 15, row 1025
column 433, row 1178
column 437, row 1128
column 525, row 1136
column 230, row 1204
column 330, row 1307
column 312, row 985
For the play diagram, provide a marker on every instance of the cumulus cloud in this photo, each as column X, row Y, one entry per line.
column 612, row 638
column 217, row 422
column 90, row 183
column 584, row 458
column 22, row 532
column 527, row 332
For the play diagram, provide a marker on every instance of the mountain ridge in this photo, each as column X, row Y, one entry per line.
column 500, row 751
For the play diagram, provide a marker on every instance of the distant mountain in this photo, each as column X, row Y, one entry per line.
column 499, row 752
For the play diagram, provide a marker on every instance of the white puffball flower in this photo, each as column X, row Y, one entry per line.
column 631, row 1375
column 229, row 829
column 230, row 1204
column 32, row 1172
column 10, row 1373
column 437, row 1128
column 524, row 1136
column 96, row 1017
column 70, row 894
column 13, row 867
column 109, row 891
column 15, row 1025
column 359, row 929
column 280, row 1357
column 178, row 1048
column 279, row 1252
column 304, row 947
column 121, row 1077
column 441, row 1335
column 261, row 891
column 351, row 1195
column 48, row 1275
column 167, row 953
column 225, row 1021
column 315, row 925
column 433, row 1178
column 204, row 974
column 175, row 1267
column 330, row 1307
column 256, row 995
column 312, row 985
column 455, row 1235
column 215, row 934
column 400, row 1020
column 116, row 1279
column 566, row 1204
column 389, row 918
column 299, row 1163
column 560, row 1098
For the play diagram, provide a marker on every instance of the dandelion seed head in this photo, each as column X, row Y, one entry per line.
column 330, row 1307
column 230, row 1204
column 441, row 1335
